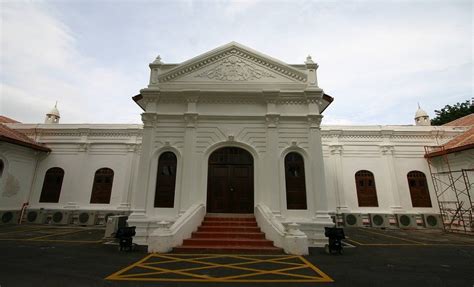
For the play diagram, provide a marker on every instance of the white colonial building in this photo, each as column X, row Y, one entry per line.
column 229, row 131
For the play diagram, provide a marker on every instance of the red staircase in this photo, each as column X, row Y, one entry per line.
column 228, row 233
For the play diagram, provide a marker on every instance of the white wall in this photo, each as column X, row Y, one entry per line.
column 16, row 180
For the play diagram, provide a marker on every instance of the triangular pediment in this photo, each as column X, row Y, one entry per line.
column 233, row 63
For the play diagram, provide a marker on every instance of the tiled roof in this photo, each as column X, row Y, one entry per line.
column 464, row 121
column 7, row 120
column 15, row 137
column 463, row 141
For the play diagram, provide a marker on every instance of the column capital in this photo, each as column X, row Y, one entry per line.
column 314, row 121
column 272, row 120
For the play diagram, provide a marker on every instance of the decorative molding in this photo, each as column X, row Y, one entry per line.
column 272, row 120
column 83, row 147
column 386, row 149
column 335, row 149
column 314, row 121
column 149, row 119
column 250, row 59
column 234, row 69
column 190, row 119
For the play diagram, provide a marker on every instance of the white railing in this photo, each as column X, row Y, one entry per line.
column 292, row 240
column 167, row 236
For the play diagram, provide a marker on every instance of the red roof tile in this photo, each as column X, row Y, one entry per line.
column 7, row 120
column 463, row 141
column 464, row 121
column 15, row 137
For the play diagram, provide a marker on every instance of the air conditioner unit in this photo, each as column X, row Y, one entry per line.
column 9, row 216
column 61, row 217
column 407, row 221
column 85, row 218
column 113, row 224
column 432, row 221
column 353, row 220
column 36, row 216
column 103, row 216
column 379, row 220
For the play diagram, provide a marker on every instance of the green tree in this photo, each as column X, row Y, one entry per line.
column 450, row 113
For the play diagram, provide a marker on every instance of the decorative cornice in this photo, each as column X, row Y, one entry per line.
column 230, row 55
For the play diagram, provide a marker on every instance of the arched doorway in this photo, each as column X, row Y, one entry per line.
column 230, row 181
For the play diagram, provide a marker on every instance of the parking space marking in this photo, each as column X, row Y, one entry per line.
column 28, row 228
column 246, row 269
column 50, row 233
column 55, row 234
column 395, row 237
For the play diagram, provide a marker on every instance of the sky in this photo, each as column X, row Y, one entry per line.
column 378, row 59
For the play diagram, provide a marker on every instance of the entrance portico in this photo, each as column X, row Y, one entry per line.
column 236, row 119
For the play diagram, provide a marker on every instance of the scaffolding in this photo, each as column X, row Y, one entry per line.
column 454, row 191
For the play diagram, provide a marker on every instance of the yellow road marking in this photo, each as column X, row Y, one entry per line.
column 353, row 241
column 24, row 230
column 391, row 236
column 55, row 234
column 248, row 260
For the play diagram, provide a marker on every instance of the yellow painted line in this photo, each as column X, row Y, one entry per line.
column 24, row 230
column 248, row 260
column 113, row 276
column 317, row 270
column 51, row 240
column 55, row 234
column 356, row 242
column 391, row 236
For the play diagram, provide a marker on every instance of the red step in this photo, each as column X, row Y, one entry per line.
column 206, row 234
column 208, row 218
column 229, row 223
column 227, row 242
column 229, row 228
column 228, row 234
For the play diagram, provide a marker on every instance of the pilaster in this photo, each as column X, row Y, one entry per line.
column 387, row 153
column 142, row 185
column 317, row 169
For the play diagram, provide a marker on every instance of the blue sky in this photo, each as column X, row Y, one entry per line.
column 378, row 59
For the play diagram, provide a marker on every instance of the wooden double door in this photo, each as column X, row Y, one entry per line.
column 230, row 181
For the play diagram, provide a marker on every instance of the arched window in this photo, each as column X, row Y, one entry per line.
column 366, row 190
column 166, row 180
column 53, row 181
column 102, row 187
column 295, row 181
column 419, row 193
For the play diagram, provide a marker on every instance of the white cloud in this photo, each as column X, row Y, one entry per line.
column 41, row 65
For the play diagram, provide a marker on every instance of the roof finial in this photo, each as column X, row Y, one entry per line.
column 309, row 60
column 419, row 105
column 158, row 60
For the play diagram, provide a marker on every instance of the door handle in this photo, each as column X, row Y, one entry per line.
column 231, row 189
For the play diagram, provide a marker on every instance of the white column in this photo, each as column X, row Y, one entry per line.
column 338, row 180
column 129, row 183
column 317, row 170
column 189, row 192
column 271, row 195
column 141, row 190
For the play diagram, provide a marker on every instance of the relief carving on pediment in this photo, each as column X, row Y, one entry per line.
column 234, row 68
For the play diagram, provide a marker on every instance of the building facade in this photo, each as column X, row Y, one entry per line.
column 229, row 131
